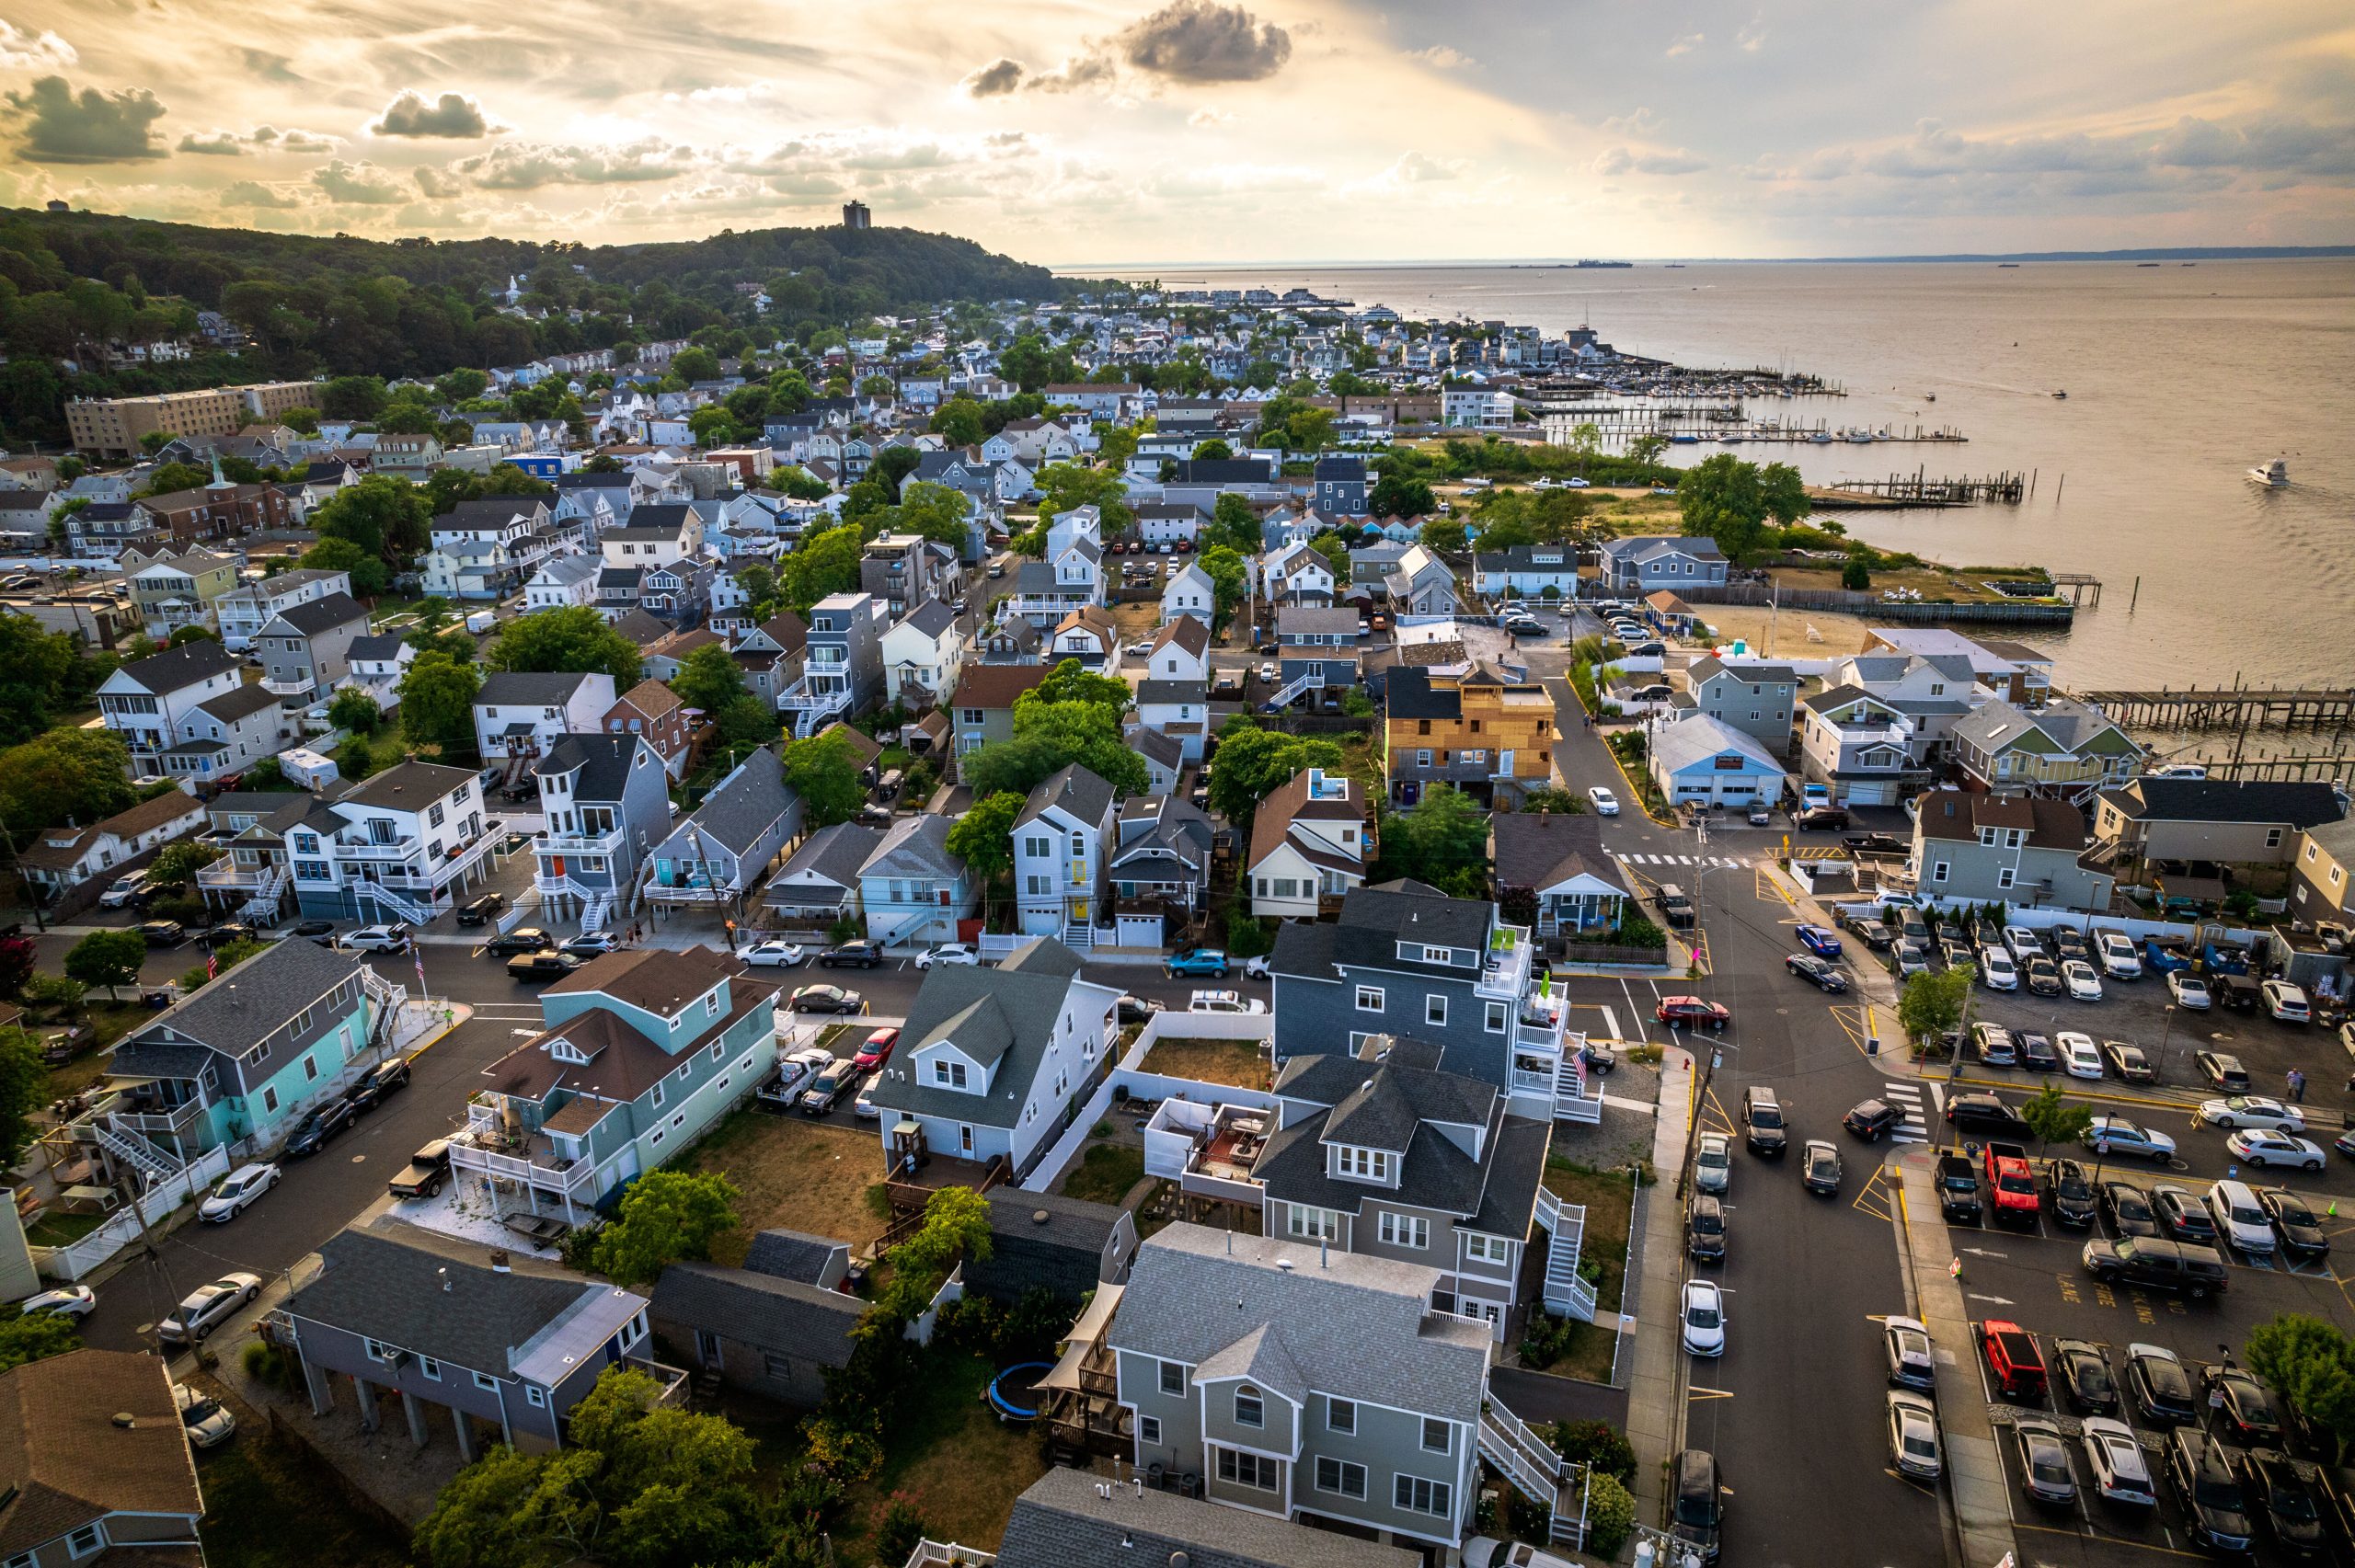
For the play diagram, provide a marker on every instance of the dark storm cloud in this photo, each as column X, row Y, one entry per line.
column 60, row 126
column 1194, row 40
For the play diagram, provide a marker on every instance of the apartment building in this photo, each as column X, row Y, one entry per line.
column 114, row 427
column 1475, row 730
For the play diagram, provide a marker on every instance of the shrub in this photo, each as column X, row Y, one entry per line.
column 578, row 1247
column 271, row 1366
column 1610, row 1517
column 848, row 1453
column 1597, row 1444
column 1635, row 930
column 1246, row 935
column 900, row 1528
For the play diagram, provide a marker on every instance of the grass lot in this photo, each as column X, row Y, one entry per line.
column 1931, row 581
column 1105, row 1172
column 1608, row 1197
column 1243, row 1063
column 110, row 1020
column 269, row 1504
column 55, row 1229
column 1361, row 760
column 800, row 1175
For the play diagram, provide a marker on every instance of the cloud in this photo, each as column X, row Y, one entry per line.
column 1195, row 41
column 439, row 184
column 1752, row 37
column 452, row 115
column 1686, row 44
column 1441, row 56
column 1620, row 160
column 1080, row 71
column 224, row 143
column 996, row 79
column 62, row 126
column 364, row 183
column 528, row 166
column 1207, row 117
column 1417, row 168
column 254, row 194
column 21, row 48
column 261, row 138
column 1637, row 121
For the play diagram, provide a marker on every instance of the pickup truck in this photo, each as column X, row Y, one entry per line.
column 2011, row 1182
column 1958, row 1190
column 427, row 1169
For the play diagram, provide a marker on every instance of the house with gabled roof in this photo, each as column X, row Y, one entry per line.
column 519, row 715
column 1088, row 635
column 97, row 1469
column 1312, row 840
column 652, row 710
column 915, row 892
column 981, row 707
column 1190, row 594
column 2064, row 748
column 1181, row 650
column 1756, row 699
column 2229, row 821
column 774, row 1327
column 65, row 857
column 1643, row 564
column 1160, row 869
column 226, row 734
column 2029, row 852
column 605, row 799
column 147, row 702
column 720, row 851
column 306, row 648
column 770, row 655
column 923, row 652
column 400, row 845
column 819, row 886
column 1556, row 859
column 1062, row 843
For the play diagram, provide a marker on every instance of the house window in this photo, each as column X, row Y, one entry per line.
column 1149, row 1430
column 1312, row 1224
column 269, row 1100
column 379, row 1351
column 1422, row 758
column 2273, row 838
column 310, row 1070
column 1486, row 1249
column 429, row 1369
column 1341, row 1415
column 1413, row 1494
column 1249, row 1409
column 535, row 1396
column 486, row 1382
column 1172, row 1377
column 1373, row 1163
column 1247, row 1470
column 1406, row 1231
column 658, row 1096
column 1037, row 848
column 1495, row 1021
column 433, row 816
column 1369, row 999
column 2003, row 877
column 1434, row 1010
column 1938, row 871
column 1340, row 1476
column 711, row 1005
column 86, row 1540
column 951, row 1074
column 1438, row 1435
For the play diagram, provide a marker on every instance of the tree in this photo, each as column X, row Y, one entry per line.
column 1212, row 451
column 1647, row 448
column 1253, row 764
column 893, row 465
column 109, row 959
column 2054, row 1119
column 352, row 397
column 1063, row 485
column 1234, row 524
column 369, row 576
column 24, row 1086
column 711, row 425
column 2312, row 1363
column 1397, row 494
column 61, row 775
column 34, row 664
column 983, row 837
column 1930, row 1007
column 1610, row 1517
column 696, row 364
column 956, row 1226
column 745, row 722
column 386, row 517
column 438, row 703
column 356, row 711
column 1784, row 493
column 1224, row 567
column 823, row 770
column 1050, row 736
column 574, row 638
column 1443, row 839
column 826, row 563
column 1722, row 497
column 1858, row 575
column 460, row 385
column 664, row 1215
column 175, row 866
column 959, row 422
column 797, row 483
column 1071, row 681
column 935, row 511
column 35, row 1338
column 708, row 679
column 1444, row 534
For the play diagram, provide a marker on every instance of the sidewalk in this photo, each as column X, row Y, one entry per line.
column 1975, row 1484
column 1659, row 1375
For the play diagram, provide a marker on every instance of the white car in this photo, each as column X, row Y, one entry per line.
column 2114, row 1135
column 592, row 944
column 66, row 1302
column 2286, row 1002
column 948, row 953
column 1224, row 1001
column 2121, row 1474
column 1913, row 1436
column 2188, row 990
column 1704, row 1317
column 1713, row 1163
column 2253, row 1110
column 208, row 1425
column 2254, row 1148
column 374, row 939
column 2239, row 1218
column 124, row 888
column 774, row 953
column 1606, row 803
column 2082, row 983
column 796, row 1071
column 207, row 1307
column 2117, row 955
column 237, row 1191
column 1257, row 970
column 1574, row 484
column 2022, row 943
column 1995, row 970
column 864, row 1107
column 2080, row 1058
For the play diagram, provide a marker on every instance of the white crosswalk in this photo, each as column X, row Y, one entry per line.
column 1696, row 860
column 1907, row 1098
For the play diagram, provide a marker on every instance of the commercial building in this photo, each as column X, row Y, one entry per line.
column 112, row 426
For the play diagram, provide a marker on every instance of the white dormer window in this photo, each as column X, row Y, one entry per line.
column 563, row 1050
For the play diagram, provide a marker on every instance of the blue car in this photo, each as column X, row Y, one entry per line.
column 1197, row 961
column 1820, row 941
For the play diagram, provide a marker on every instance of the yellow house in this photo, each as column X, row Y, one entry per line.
column 172, row 592
column 1473, row 730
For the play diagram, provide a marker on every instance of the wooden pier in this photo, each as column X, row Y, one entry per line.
column 1919, row 490
column 2234, row 707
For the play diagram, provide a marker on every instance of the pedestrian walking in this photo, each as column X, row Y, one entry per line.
column 2297, row 1086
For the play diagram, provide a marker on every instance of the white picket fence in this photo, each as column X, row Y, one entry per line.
column 75, row 1259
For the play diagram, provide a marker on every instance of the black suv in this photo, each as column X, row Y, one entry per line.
column 852, row 955
column 1986, row 1114
column 2201, row 1471
column 2069, row 1194
column 2248, row 1416
column 1958, row 1190
column 320, row 1126
column 1698, row 1519
column 1762, row 1122
column 523, row 939
column 2153, row 1263
column 2274, row 1487
column 1705, row 1228
column 378, row 1081
column 1869, row 1118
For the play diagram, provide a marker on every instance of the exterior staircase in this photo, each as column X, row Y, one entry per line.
column 134, row 1150
column 1534, row 1469
column 1566, row 1293
column 399, row 906
column 1078, row 934
column 1577, row 1098
column 1293, row 690
column 264, row 906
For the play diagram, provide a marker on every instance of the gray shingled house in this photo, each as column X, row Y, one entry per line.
column 772, row 1327
column 1066, row 1244
column 1070, row 1518
column 728, row 844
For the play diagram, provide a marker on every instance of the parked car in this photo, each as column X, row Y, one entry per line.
column 2069, row 1194
column 1906, row 1343
column 2154, row 1261
column 2043, row 1457
column 2116, row 1135
column 1705, row 1228
column 2044, row 975
column 1137, row 1009
column 948, row 953
column 1993, row 1045
column 2182, row 1217
column 2286, row 1003
column 2248, row 1412
column 1713, row 1163
column 2128, row 1063
column 859, row 954
column 1818, row 941
column 2302, row 1234
column 876, row 1049
column 592, row 944
column 827, row 999
column 1697, row 1513
column 1820, row 1168
column 388, row 938
column 483, row 909
column 1703, row 1316
column 2084, row 1373
column 425, row 1170
column 1957, row 1183
column 2223, row 1070
column 2252, row 1110
column 227, row 931
column 207, row 1308
column 2190, row 990
column 2215, row 1508
column 1995, row 970
column 548, row 965
column 2126, row 1209
column 1914, row 1436
column 378, row 1083
column 320, row 1126
column 2080, row 1058
column 1818, row 973
column 2121, row 1471
column 775, row 953
column 163, row 933
column 1191, row 961
column 2014, row 1360
column 2022, row 943
column 2119, row 959
column 123, row 889
column 237, row 1191
column 1691, row 1013
column 2037, row 1052
column 1224, row 1001
column 63, row 1301
column 826, row 1091
column 2275, row 1148
column 1822, row 820
column 202, row 1417
column 314, row 930
column 2274, row 1487
column 2081, row 983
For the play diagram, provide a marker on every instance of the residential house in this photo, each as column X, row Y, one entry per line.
column 677, row 591
column 148, row 703
column 100, row 1469
column 252, row 879
column 606, row 801
column 774, row 1327
column 904, row 570
column 225, row 735
column 1755, row 699
column 720, row 851
column 1179, row 709
column 1643, row 564
column 1296, row 574
column 422, row 1320
column 1668, row 613
column 469, row 568
column 1088, row 635
column 563, row 582
column 981, row 709
column 233, row 1063
column 401, row 845
column 1311, row 839
column 1181, row 650
column 1527, row 571
column 412, row 458
column 843, row 665
column 2020, row 674
column 652, row 710
column 1170, row 523
column 915, row 893
column 1107, row 401
column 2025, row 851
column 1859, row 745
column 1190, row 594
column 1705, row 761
column 1339, row 484
column 63, row 858
column 1062, row 843
column 219, row 510
column 819, row 887
column 378, row 665
column 655, row 536
column 1065, row 1246
column 1933, row 692
column 519, row 714
column 923, row 652
column 1160, row 868
column 306, row 649
column 1318, row 646
column 1336, row 1387
column 1421, row 585
column 1164, row 759
column 642, row 1051
column 174, row 591
column 242, row 612
column 668, row 654
column 2235, row 822
column 525, row 527
column 770, row 655
column 1473, row 730
column 2320, row 887
column 2065, row 748
column 1071, row 1516
column 989, row 1059
column 1014, row 640
column 1556, row 860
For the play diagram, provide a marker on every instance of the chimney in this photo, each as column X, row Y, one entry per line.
column 124, row 1420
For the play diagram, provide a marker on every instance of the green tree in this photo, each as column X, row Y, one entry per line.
column 574, row 638
column 24, row 1088
column 935, row 511
column 1396, row 494
column 891, row 466
column 1647, row 448
column 356, row 711
column 80, row 775
column 823, row 770
column 797, row 483
column 175, row 866
column 959, row 422
column 696, row 364
column 2054, row 1119
column 1071, row 681
column 1858, row 575
column 1610, row 1517
column 664, row 1215
column 1784, row 493
column 1224, row 568
column 708, row 679
column 2312, row 1364
column 35, row 1338
column 956, row 1226
column 1722, row 497
column 1212, row 451
column 386, row 517
column 1443, row 839
column 1050, row 736
column 33, row 667
column 438, row 703
column 109, row 959
column 1930, row 1007
column 1063, row 485
column 369, row 576
column 1254, row 762
column 352, row 397
column 302, row 420
column 1444, row 535
column 827, row 563
column 1234, row 524
column 460, row 385
column 983, row 837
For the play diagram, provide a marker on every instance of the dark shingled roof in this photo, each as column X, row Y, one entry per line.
column 231, row 706
column 64, row 1463
column 1077, row 790
column 1003, row 1015
column 183, row 665
column 792, row 1255
column 1540, row 848
column 316, row 615
column 759, row 1309
column 2298, row 803
column 528, row 688
column 1410, row 694
column 410, row 787
column 263, row 993
column 604, row 762
column 1064, row 1522
column 746, row 803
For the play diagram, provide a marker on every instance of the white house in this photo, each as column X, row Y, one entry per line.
column 401, row 846
column 1089, row 636
column 1309, row 842
column 1296, row 574
column 522, row 713
column 923, row 652
column 563, row 582
column 149, row 702
column 1707, row 761
column 1858, row 744
column 1181, row 652
column 1191, row 592
column 1179, row 709
column 244, row 611
column 1062, row 842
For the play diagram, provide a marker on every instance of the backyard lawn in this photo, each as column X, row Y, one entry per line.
column 271, row 1504
column 109, row 1021
column 1241, row 1063
column 1609, row 1198
column 800, row 1175
column 1105, row 1172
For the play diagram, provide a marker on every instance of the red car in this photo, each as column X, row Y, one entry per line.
column 1692, row 1012
column 2014, row 1358
column 876, row 1051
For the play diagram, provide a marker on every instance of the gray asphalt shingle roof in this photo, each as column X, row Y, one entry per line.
column 747, row 804
column 1004, row 1017
column 792, row 1255
column 759, row 1309
column 1064, row 1522
column 915, row 847
column 260, row 996
column 1077, row 790
column 528, row 688
column 835, row 853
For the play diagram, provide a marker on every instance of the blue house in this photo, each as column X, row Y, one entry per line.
column 914, row 890
column 1340, row 486
column 607, row 802
column 732, row 840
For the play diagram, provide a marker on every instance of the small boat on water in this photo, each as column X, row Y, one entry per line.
column 1821, row 438
column 2273, row 475
column 2007, row 266
column 1683, row 438
column 2061, row 397
column 1730, row 439
column 1859, row 437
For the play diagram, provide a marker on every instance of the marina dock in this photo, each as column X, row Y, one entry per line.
column 1921, row 489
column 2234, row 707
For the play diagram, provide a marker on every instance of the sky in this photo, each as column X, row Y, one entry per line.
column 1077, row 132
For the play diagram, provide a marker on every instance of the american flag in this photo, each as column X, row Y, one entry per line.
column 211, row 966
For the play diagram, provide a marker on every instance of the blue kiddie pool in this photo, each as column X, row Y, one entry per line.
column 1013, row 1392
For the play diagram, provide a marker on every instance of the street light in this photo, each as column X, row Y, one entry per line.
column 2164, row 1035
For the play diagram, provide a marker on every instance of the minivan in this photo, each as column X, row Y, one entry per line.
column 1762, row 1121
column 1674, row 904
